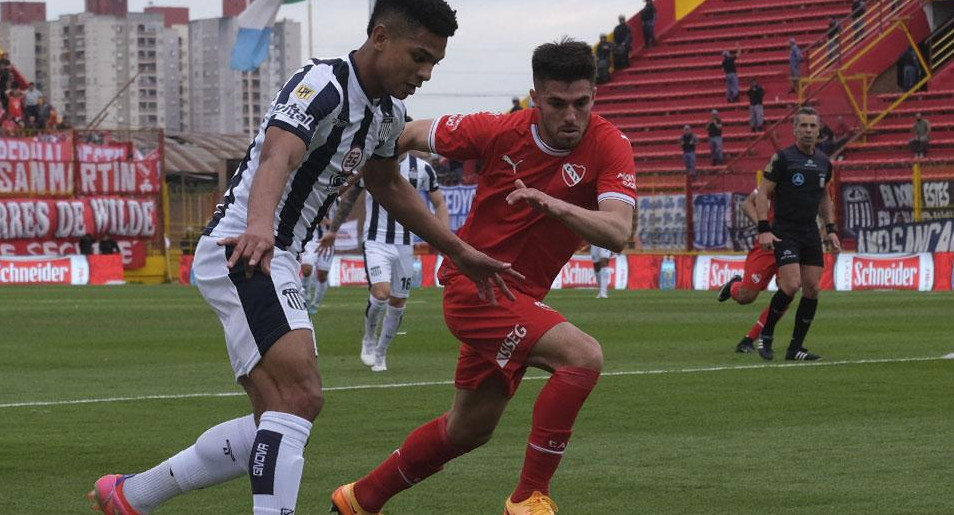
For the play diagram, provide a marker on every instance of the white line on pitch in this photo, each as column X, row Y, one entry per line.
column 445, row 383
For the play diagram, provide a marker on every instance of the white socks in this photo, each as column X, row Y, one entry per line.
column 319, row 295
column 276, row 462
column 220, row 454
column 604, row 280
column 372, row 317
column 392, row 322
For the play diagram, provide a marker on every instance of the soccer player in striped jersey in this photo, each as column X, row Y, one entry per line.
column 331, row 118
column 388, row 258
column 551, row 177
column 315, row 264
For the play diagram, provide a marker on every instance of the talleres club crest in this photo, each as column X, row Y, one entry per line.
column 573, row 174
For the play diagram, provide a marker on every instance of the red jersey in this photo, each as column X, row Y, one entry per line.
column 510, row 146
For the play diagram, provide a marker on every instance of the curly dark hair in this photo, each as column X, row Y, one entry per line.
column 407, row 15
column 567, row 60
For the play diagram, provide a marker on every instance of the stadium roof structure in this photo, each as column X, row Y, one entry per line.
column 202, row 156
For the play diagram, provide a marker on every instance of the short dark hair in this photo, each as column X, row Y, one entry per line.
column 807, row 111
column 407, row 15
column 567, row 60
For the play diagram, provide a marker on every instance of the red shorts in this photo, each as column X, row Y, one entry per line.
column 760, row 267
column 497, row 340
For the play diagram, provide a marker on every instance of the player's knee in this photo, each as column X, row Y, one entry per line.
column 322, row 276
column 810, row 290
column 381, row 291
column 589, row 354
column 304, row 398
column 397, row 302
column 746, row 296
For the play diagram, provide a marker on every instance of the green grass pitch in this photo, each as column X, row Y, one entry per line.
column 680, row 424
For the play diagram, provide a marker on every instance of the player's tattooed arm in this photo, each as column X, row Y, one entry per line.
column 345, row 205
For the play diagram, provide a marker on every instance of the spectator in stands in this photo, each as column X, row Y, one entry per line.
column 604, row 56
column 108, row 245
column 858, row 8
column 648, row 15
column 15, row 105
column 756, row 110
column 623, row 37
column 31, row 105
column 86, row 244
column 714, row 129
column 516, row 105
column 826, row 140
column 833, row 32
column 795, row 60
column 731, row 74
column 922, row 136
column 688, row 140
column 842, row 135
column 44, row 113
column 909, row 69
column 6, row 80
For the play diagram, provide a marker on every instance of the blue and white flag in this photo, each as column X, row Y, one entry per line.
column 255, row 33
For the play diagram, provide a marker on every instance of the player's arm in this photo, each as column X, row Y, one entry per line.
column 415, row 136
column 345, row 206
column 282, row 151
column 609, row 227
column 384, row 182
column 749, row 209
column 440, row 207
column 826, row 209
column 766, row 191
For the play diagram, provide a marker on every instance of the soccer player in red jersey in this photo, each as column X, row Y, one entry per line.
column 551, row 176
column 760, row 268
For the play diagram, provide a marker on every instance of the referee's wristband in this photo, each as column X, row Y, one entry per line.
column 764, row 226
column 831, row 228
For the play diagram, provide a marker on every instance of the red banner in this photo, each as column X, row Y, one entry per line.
column 713, row 271
column 105, row 269
column 351, row 272
column 118, row 177
column 53, row 147
column 944, row 271
column 885, row 272
column 93, row 153
column 132, row 251
column 39, row 270
column 49, row 219
column 48, row 178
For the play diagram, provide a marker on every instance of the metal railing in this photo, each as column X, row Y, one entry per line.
column 942, row 45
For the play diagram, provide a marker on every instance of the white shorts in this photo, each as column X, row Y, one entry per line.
column 310, row 256
column 254, row 312
column 384, row 262
column 600, row 253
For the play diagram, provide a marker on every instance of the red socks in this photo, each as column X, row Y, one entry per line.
column 427, row 448
column 424, row 453
column 756, row 330
column 553, row 416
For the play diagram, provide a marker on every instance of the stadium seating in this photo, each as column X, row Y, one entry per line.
column 679, row 81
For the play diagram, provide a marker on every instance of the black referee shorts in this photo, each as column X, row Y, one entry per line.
column 792, row 250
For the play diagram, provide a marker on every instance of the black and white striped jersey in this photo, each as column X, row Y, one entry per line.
column 324, row 103
column 380, row 226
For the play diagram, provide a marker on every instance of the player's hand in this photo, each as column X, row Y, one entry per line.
column 486, row 272
column 767, row 240
column 255, row 247
column 326, row 245
column 834, row 244
column 536, row 198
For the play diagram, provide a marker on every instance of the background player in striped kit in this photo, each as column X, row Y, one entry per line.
column 315, row 264
column 601, row 258
column 388, row 257
column 328, row 119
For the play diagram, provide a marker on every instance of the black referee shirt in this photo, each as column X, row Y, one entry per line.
column 800, row 181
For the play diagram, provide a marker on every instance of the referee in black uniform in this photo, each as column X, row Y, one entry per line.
column 797, row 179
